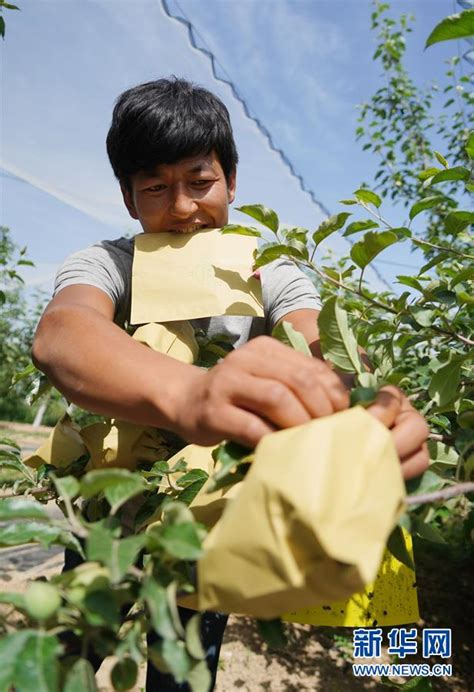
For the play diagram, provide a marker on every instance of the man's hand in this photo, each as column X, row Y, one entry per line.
column 408, row 427
column 257, row 389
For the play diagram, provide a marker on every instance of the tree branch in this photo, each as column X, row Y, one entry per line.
column 445, row 494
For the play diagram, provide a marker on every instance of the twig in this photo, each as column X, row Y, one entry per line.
column 440, row 438
column 445, row 494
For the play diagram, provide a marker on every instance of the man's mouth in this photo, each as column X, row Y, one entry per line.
column 191, row 228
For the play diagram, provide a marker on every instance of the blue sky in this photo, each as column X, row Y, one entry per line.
column 301, row 65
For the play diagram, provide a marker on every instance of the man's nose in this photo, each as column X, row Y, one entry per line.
column 182, row 204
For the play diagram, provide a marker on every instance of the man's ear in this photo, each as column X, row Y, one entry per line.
column 231, row 186
column 128, row 200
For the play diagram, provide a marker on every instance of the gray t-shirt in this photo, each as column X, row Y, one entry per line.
column 108, row 266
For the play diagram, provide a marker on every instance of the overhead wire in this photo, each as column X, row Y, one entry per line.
column 193, row 34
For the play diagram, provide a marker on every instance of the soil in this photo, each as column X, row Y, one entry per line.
column 316, row 658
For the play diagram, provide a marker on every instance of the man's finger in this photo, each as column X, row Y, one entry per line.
column 417, row 463
column 387, row 405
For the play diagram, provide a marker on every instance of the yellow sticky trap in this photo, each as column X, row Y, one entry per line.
column 391, row 600
column 63, row 446
column 179, row 276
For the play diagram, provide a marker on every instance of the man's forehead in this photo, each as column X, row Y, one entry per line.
column 194, row 164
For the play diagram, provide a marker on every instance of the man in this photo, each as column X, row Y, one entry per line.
column 171, row 147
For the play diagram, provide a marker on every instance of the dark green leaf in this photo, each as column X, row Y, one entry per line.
column 396, row 545
column 101, row 607
column 426, row 531
column 2, row 34
column 262, row 214
column 273, row 252
column 67, row 486
column 357, row 226
column 464, row 275
column 191, row 491
column 423, row 204
column 470, row 146
column 330, row 225
column 20, row 508
column 118, row 485
column 347, row 201
column 229, row 455
column 364, row 251
column 457, row 221
column 433, row 262
column 241, row 230
column 453, row 27
column 363, row 396
column 191, row 477
column 338, row 342
column 273, row 633
column 80, row 678
column 286, row 333
column 457, row 173
column 423, row 316
column 368, row 197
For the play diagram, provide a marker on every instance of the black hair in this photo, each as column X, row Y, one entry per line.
column 165, row 121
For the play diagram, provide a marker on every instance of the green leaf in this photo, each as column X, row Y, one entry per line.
column 190, row 492
column 368, row 197
column 193, row 637
column 67, row 486
column 397, row 547
column 273, row 252
column 445, row 382
column 15, row 599
column 338, row 342
column 170, row 655
column 199, row 677
column 348, row 201
column 363, row 396
column 364, row 251
column 240, row 230
column 457, row 221
column 456, row 173
column 433, row 262
column 101, row 608
column 155, row 597
column 29, row 661
column 330, row 225
column 118, row 485
column 428, row 173
column 427, row 483
column 441, row 159
column 116, row 554
column 20, row 508
column 2, row 34
column 427, row 531
column 262, row 214
column 470, row 146
column 273, row 632
column 298, row 233
column 191, row 477
column 452, row 27
column 287, row 334
column 423, row 204
column 182, row 541
column 34, row 532
column 464, row 275
column 357, row 226
column 80, row 678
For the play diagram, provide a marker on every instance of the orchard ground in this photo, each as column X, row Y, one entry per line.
column 316, row 658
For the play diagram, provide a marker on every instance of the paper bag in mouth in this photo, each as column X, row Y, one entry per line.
column 310, row 522
column 180, row 276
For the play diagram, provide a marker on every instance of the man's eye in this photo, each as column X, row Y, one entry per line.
column 202, row 182
column 156, row 188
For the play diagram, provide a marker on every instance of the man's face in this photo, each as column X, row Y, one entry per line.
column 181, row 197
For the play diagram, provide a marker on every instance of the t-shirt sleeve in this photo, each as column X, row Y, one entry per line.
column 285, row 288
column 104, row 266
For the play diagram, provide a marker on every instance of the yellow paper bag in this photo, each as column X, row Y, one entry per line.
column 175, row 339
column 310, row 522
column 178, row 276
column 63, row 446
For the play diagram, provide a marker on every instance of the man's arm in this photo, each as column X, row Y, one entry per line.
column 409, row 428
column 260, row 387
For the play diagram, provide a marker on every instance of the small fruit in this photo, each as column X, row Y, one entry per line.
column 124, row 674
column 363, row 396
column 41, row 600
